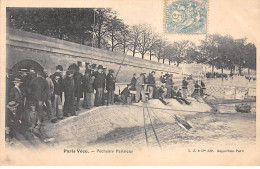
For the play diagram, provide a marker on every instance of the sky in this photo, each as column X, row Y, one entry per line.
column 238, row 18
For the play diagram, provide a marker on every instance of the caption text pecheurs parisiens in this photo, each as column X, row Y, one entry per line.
column 100, row 151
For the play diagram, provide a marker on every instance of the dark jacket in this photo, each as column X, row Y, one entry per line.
column 133, row 83
column 78, row 84
column 28, row 79
column 99, row 81
column 57, row 87
column 169, row 82
column 125, row 92
column 69, row 86
column 16, row 95
column 151, row 80
column 184, row 84
column 87, row 84
column 39, row 88
column 110, row 82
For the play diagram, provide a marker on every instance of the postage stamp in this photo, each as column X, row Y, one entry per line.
column 186, row 16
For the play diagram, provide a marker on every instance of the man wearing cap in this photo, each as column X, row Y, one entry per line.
column 39, row 89
column 14, row 125
column 58, row 71
column 56, row 100
column 110, row 86
column 151, row 84
column 78, row 86
column 69, row 91
column 140, row 88
column 99, row 85
column 17, row 96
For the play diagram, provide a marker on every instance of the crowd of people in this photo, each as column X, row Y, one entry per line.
column 34, row 95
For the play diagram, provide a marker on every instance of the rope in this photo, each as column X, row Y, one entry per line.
column 145, row 131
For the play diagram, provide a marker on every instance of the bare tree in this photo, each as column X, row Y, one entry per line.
column 145, row 40
column 135, row 33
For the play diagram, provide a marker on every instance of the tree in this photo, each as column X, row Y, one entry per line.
column 159, row 48
column 134, row 36
column 145, row 40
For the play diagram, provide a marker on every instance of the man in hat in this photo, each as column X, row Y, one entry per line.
column 110, row 86
column 133, row 82
column 78, row 86
column 184, row 88
column 140, row 88
column 69, row 91
column 94, row 69
column 39, row 89
column 151, row 84
column 50, row 94
column 99, row 85
column 88, row 89
column 17, row 96
column 56, row 100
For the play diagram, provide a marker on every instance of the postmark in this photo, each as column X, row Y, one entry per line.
column 186, row 16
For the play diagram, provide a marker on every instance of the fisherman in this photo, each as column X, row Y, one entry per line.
column 16, row 95
column 184, row 88
column 33, row 121
column 151, row 84
column 58, row 71
column 125, row 94
column 203, row 88
column 140, row 88
column 169, row 84
column 39, row 89
column 176, row 94
column 87, row 85
column 133, row 82
column 99, row 85
column 69, row 91
column 196, row 90
column 48, row 100
column 31, row 75
column 110, row 86
column 56, row 99
column 78, row 86
column 162, row 78
column 15, row 129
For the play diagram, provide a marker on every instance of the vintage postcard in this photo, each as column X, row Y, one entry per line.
column 120, row 82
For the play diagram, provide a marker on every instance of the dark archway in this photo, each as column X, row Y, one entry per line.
column 27, row 64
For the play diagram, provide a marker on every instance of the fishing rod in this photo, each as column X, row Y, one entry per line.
column 120, row 66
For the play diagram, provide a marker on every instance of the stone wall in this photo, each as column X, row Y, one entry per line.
column 49, row 52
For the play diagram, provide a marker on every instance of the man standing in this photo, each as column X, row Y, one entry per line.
column 184, row 87
column 69, row 91
column 58, row 71
column 99, row 85
column 110, row 86
column 140, row 88
column 133, row 82
column 88, row 89
column 17, row 96
column 56, row 100
column 78, row 86
column 151, row 84
column 169, row 84
column 39, row 89
column 50, row 94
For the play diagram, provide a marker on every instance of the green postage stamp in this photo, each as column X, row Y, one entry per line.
column 186, row 16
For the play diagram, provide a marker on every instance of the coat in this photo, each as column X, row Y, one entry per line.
column 151, row 80
column 110, row 82
column 57, row 87
column 69, row 86
column 78, row 84
column 100, row 81
column 16, row 95
column 39, row 89
column 133, row 83
column 51, row 87
column 139, row 82
column 87, row 84
column 169, row 82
